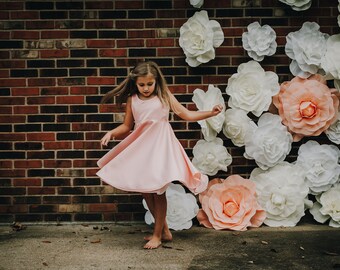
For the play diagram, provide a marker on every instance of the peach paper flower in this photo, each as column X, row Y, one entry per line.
column 230, row 204
column 307, row 106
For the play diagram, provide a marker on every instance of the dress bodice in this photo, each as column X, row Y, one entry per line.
column 148, row 110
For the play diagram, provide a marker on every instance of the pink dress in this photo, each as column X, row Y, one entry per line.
column 151, row 157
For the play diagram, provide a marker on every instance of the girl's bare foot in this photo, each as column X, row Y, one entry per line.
column 166, row 236
column 153, row 243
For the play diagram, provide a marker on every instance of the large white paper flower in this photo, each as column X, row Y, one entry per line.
column 321, row 164
column 197, row 3
column 259, row 41
column 327, row 207
column 331, row 60
column 236, row 125
column 333, row 132
column 181, row 209
column 298, row 5
column 282, row 192
column 306, row 47
column 205, row 101
column 251, row 88
column 199, row 37
column 269, row 143
column 210, row 157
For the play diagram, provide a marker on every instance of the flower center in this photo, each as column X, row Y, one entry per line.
column 278, row 199
column 230, row 208
column 307, row 109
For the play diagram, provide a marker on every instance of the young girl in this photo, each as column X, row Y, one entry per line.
column 150, row 157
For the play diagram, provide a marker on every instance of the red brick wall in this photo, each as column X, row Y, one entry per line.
column 58, row 58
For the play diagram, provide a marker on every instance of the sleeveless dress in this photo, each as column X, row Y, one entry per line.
column 151, row 157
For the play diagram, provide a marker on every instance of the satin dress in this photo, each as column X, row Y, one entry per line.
column 151, row 157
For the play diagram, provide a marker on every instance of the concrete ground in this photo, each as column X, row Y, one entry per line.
column 110, row 246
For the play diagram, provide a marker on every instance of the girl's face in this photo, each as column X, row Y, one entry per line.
column 146, row 86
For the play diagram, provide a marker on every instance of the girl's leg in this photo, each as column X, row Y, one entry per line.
column 160, row 205
column 150, row 201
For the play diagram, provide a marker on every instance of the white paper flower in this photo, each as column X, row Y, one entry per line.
column 327, row 207
column 298, row 5
column 236, row 125
column 282, row 192
column 199, row 37
column 321, row 164
column 197, row 3
column 306, row 47
column 333, row 132
column 251, row 88
column 331, row 60
column 181, row 209
column 210, row 157
column 259, row 41
column 269, row 143
column 205, row 101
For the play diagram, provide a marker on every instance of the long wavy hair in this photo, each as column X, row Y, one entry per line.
column 128, row 87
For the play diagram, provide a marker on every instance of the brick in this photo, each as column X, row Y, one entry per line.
column 102, row 207
column 113, row 53
column 70, row 100
column 71, row 43
column 27, row 200
column 70, row 173
column 56, row 200
column 41, row 100
column 100, row 81
column 25, row 35
column 28, row 164
column 57, row 182
column 100, row 43
column 54, row 53
column 54, row 34
column 13, row 208
column 40, row 191
column 41, row 136
column 71, row 208
column 71, row 190
column 57, row 145
column 99, row 24
column 27, row 182
column 42, row 82
column 57, row 163
column 26, row 109
column 42, row 208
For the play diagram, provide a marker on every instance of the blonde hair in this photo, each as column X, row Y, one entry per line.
column 128, row 87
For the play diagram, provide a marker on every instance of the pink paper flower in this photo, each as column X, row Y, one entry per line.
column 307, row 106
column 230, row 204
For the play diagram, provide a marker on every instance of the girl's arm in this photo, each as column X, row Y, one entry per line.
column 193, row 116
column 122, row 129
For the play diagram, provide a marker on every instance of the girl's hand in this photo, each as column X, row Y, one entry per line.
column 217, row 109
column 107, row 138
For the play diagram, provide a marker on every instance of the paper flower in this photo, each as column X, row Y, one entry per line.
column 205, row 101
column 307, row 106
column 230, row 204
column 210, row 157
column 327, row 207
column 182, row 207
column 331, row 60
column 197, row 3
column 269, row 143
column 259, row 41
column 251, row 88
column 298, row 5
column 306, row 47
column 333, row 132
column 199, row 37
column 282, row 192
column 236, row 125
column 321, row 165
